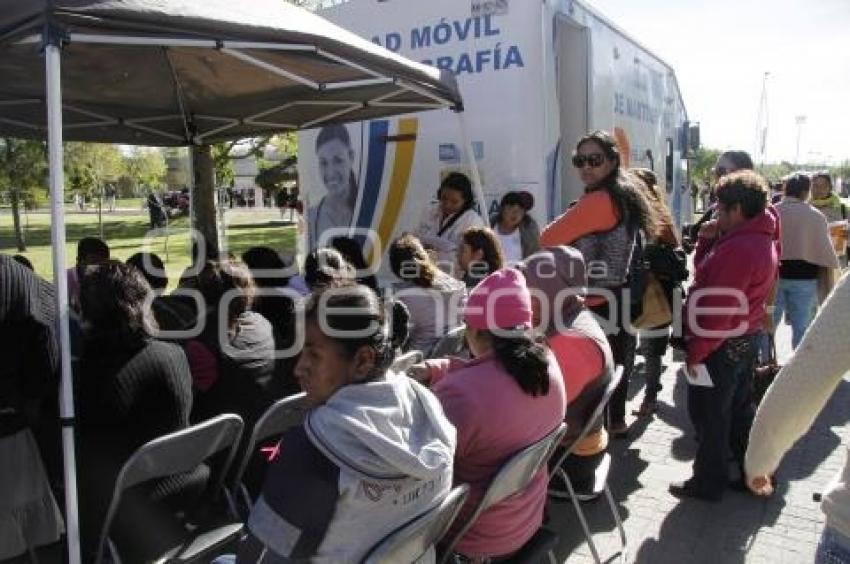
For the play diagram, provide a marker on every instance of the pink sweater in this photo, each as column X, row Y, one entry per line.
column 494, row 420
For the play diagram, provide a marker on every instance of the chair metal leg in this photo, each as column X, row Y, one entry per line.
column 613, row 506
column 582, row 520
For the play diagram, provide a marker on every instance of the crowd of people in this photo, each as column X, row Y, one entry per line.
column 548, row 314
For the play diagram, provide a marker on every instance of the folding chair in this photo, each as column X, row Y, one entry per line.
column 171, row 454
column 411, row 541
column 600, row 482
column 513, row 477
column 278, row 418
column 449, row 344
column 405, row 361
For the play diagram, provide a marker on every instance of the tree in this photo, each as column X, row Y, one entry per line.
column 145, row 168
column 88, row 166
column 23, row 170
column 701, row 165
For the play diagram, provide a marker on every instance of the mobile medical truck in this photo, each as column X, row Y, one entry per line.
column 535, row 76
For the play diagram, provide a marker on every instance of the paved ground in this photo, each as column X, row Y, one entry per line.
column 740, row 529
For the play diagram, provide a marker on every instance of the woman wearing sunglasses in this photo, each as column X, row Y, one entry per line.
column 603, row 225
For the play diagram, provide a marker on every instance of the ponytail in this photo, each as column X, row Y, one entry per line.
column 526, row 361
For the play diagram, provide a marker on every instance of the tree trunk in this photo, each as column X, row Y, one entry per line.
column 203, row 197
column 16, row 219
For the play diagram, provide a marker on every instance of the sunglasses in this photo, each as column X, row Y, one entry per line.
column 595, row 160
column 720, row 171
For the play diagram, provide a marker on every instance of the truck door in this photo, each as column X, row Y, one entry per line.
column 572, row 60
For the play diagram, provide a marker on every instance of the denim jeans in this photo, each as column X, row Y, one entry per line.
column 833, row 548
column 723, row 414
column 797, row 299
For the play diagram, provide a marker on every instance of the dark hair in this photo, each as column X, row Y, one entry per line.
column 21, row 259
column 524, row 359
column 157, row 280
column 516, row 199
column 91, row 250
column 333, row 132
column 630, row 202
column 401, row 323
column 740, row 159
column 221, row 276
column 824, row 175
column 484, row 239
column 267, row 260
column 113, row 300
column 459, row 182
column 797, row 186
column 646, row 181
column 410, row 262
column 744, row 188
column 352, row 251
column 355, row 310
column 326, row 267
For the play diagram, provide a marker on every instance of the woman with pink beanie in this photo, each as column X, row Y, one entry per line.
column 509, row 396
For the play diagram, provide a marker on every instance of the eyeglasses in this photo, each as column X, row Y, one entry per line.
column 595, row 160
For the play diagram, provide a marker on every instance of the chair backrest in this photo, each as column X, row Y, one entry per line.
column 595, row 415
column 513, row 477
column 278, row 418
column 449, row 344
column 405, row 361
column 410, row 541
column 175, row 453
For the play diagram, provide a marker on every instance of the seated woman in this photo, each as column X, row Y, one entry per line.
column 232, row 360
column 517, row 231
column 374, row 451
column 132, row 389
column 558, row 282
column 444, row 223
column 510, row 396
column 432, row 296
column 480, row 255
column 326, row 266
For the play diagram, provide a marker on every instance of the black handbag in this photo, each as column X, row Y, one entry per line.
column 765, row 372
column 666, row 263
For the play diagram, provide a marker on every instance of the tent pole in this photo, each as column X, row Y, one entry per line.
column 473, row 167
column 57, row 227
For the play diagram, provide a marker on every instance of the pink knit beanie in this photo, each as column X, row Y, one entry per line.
column 500, row 301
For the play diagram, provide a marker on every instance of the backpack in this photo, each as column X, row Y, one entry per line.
column 667, row 263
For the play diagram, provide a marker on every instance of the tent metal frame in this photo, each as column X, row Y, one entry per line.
column 240, row 50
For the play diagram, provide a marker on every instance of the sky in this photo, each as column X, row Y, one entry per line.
column 720, row 51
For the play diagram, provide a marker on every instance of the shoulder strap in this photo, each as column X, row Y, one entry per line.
column 452, row 220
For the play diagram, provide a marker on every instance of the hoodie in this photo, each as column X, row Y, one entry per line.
column 433, row 311
column 743, row 262
column 372, row 458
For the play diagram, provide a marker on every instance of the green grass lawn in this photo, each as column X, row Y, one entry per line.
column 127, row 234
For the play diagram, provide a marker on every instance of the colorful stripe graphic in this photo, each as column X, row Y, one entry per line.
column 399, row 180
column 371, row 192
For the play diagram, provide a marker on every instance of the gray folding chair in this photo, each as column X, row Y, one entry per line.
column 176, row 453
column 600, row 484
column 411, row 541
column 449, row 344
column 278, row 418
column 513, row 477
column 405, row 361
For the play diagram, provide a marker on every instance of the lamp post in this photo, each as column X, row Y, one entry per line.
column 800, row 121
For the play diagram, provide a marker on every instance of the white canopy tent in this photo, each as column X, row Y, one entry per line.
column 181, row 72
